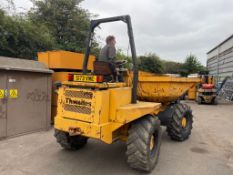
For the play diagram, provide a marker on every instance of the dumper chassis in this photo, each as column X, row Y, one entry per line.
column 112, row 111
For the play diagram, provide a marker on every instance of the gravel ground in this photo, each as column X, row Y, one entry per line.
column 209, row 151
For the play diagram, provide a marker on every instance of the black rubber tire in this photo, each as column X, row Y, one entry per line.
column 70, row 142
column 174, row 128
column 139, row 154
column 199, row 100
column 215, row 101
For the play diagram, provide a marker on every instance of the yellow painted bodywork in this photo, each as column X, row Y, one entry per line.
column 163, row 88
column 64, row 60
column 104, row 110
column 207, row 95
column 2, row 93
column 210, row 79
column 192, row 92
column 57, row 77
column 101, row 113
column 94, row 85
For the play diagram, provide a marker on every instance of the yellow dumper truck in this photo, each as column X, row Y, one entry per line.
column 91, row 106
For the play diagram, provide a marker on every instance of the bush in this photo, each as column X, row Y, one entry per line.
column 20, row 38
column 150, row 63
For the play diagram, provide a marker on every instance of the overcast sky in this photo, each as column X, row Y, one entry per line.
column 170, row 28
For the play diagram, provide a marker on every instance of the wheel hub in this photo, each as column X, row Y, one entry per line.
column 152, row 142
column 184, row 122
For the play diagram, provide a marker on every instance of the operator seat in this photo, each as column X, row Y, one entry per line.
column 105, row 68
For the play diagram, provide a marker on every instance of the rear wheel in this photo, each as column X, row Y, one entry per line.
column 70, row 142
column 180, row 124
column 143, row 143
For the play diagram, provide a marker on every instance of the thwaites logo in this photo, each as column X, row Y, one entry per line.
column 77, row 102
column 88, row 95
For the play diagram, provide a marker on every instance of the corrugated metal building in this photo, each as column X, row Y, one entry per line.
column 220, row 59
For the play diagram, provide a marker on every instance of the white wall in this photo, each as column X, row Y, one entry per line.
column 220, row 60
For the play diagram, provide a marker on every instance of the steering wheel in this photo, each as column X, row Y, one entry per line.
column 120, row 62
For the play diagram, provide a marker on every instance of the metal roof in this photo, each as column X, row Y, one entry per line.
column 7, row 63
column 220, row 44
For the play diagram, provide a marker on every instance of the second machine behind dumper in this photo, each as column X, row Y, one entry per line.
column 90, row 107
column 207, row 92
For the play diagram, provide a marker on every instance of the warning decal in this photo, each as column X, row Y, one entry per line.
column 2, row 94
column 13, row 93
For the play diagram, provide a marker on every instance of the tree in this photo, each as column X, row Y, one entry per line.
column 191, row 65
column 66, row 20
column 150, row 63
column 172, row 67
column 20, row 38
column 121, row 56
column 49, row 25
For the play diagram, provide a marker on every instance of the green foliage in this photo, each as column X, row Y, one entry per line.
column 121, row 56
column 49, row 25
column 20, row 38
column 191, row 65
column 150, row 63
column 172, row 67
column 63, row 24
column 67, row 21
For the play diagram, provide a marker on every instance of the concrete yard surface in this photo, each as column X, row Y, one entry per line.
column 209, row 151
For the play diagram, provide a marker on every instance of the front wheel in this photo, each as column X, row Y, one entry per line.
column 70, row 142
column 180, row 124
column 215, row 101
column 143, row 143
column 199, row 100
